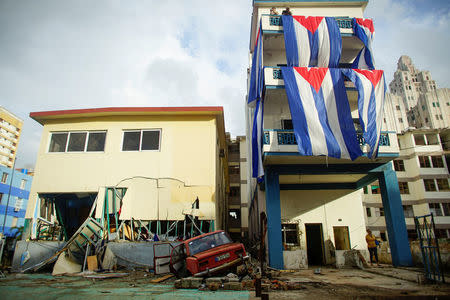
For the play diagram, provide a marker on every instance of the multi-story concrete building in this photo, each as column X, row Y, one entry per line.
column 150, row 166
column 425, row 104
column 237, row 220
column 313, row 203
column 14, row 191
column 10, row 129
column 419, row 112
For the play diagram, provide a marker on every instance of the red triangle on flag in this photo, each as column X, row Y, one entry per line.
column 314, row 76
column 310, row 23
column 373, row 75
column 368, row 23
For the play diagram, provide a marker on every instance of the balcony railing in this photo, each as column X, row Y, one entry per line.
column 287, row 137
column 343, row 22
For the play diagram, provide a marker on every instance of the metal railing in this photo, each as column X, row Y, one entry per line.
column 287, row 137
column 343, row 22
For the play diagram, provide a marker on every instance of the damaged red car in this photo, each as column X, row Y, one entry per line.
column 207, row 254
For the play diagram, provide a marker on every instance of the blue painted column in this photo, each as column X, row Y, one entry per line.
column 273, row 211
column 395, row 219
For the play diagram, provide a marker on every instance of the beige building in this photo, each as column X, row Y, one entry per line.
column 419, row 113
column 423, row 180
column 425, row 104
column 10, row 130
column 146, row 164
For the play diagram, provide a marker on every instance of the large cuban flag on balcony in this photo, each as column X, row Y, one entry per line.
column 371, row 88
column 312, row 41
column 257, row 72
column 320, row 112
column 257, row 138
column 364, row 30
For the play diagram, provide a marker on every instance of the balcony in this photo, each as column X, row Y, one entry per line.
column 274, row 47
column 281, row 141
column 274, row 24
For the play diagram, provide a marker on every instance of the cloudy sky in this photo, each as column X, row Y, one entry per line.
column 83, row 54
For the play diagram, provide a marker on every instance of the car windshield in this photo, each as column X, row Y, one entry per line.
column 208, row 242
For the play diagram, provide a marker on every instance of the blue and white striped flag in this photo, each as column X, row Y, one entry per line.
column 257, row 71
column 371, row 88
column 365, row 31
column 320, row 112
column 257, row 138
column 312, row 41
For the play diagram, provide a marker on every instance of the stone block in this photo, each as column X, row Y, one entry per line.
column 177, row 284
column 234, row 286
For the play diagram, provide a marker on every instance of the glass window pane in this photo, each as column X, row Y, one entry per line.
column 77, row 141
column 96, row 141
column 150, row 140
column 131, row 141
column 58, row 142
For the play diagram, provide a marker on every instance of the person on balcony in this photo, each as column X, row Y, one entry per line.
column 372, row 245
column 273, row 11
column 287, row 12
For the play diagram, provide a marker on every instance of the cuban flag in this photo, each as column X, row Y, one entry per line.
column 364, row 30
column 257, row 138
column 320, row 112
column 312, row 41
column 371, row 88
column 256, row 75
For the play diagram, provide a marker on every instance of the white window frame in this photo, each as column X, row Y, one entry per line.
column 88, row 133
column 140, row 139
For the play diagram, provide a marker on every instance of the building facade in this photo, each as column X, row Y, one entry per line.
column 149, row 166
column 14, row 191
column 10, row 130
column 312, row 204
column 237, row 218
column 419, row 111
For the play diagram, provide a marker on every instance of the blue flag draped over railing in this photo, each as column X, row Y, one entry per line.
column 320, row 112
column 257, row 71
column 371, row 88
column 312, row 41
column 364, row 30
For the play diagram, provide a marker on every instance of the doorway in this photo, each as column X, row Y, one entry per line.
column 314, row 244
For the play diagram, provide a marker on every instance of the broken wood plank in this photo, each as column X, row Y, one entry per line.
column 161, row 279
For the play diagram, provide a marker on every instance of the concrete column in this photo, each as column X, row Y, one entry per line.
column 395, row 219
column 273, row 211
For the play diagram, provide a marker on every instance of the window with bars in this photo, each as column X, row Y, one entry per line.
column 437, row 161
column 442, row 184
column 408, row 211
column 4, row 177
column 404, row 187
column 435, row 209
column 429, row 184
column 290, row 234
column 424, row 162
column 446, row 209
column 399, row 165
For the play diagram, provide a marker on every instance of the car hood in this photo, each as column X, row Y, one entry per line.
column 218, row 250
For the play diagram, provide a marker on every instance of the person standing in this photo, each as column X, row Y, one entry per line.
column 371, row 244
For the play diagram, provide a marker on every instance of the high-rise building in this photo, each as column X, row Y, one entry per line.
column 426, row 105
column 10, row 129
column 419, row 112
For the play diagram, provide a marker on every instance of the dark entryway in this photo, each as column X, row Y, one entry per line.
column 314, row 244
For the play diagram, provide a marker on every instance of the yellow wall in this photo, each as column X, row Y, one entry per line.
column 188, row 154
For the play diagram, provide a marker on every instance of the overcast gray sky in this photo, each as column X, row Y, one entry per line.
column 83, row 54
